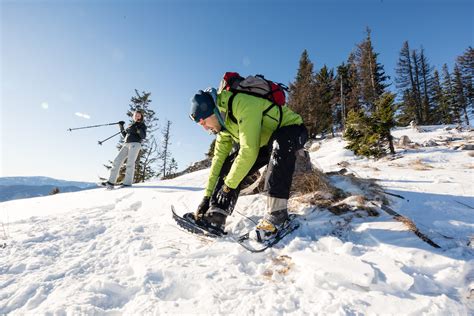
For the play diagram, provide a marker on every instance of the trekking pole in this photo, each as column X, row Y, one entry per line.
column 102, row 141
column 72, row 129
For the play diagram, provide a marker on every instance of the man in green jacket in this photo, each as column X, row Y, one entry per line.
column 251, row 133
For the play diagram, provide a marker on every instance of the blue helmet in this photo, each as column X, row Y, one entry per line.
column 202, row 105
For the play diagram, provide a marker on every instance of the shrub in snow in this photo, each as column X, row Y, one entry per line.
column 370, row 135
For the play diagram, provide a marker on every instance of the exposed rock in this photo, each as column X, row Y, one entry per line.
column 467, row 147
column 404, row 141
column 430, row 143
column 314, row 147
column 414, row 126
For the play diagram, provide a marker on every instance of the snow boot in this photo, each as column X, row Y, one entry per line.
column 214, row 218
column 107, row 185
column 267, row 229
column 274, row 219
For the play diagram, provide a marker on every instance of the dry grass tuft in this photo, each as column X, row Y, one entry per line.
column 370, row 167
column 340, row 209
column 311, row 181
column 314, row 198
column 360, row 200
column 357, row 204
column 284, row 263
column 316, row 190
column 396, row 164
column 408, row 222
column 281, row 265
column 372, row 191
column 418, row 164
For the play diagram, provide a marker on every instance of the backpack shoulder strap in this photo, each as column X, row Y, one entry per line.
column 281, row 113
column 229, row 108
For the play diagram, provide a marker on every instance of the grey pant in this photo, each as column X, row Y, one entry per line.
column 130, row 152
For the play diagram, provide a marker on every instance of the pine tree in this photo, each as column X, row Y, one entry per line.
column 173, row 167
column 406, row 83
column 466, row 65
column 144, row 164
column 166, row 161
column 413, row 81
column 426, row 85
column 440, row 111
column 345, row 92
column 406, row 109
column 301, row 96
column 384, row 117
column 148, row 159
column 321, row 116
column 372, row 74
column 361, row 136
column 416, row 88
column 404, row 79
column 353, row 79
column 450, row 98
column 340, row 95
column 459, row 93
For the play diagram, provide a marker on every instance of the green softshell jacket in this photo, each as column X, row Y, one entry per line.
column 252, row 131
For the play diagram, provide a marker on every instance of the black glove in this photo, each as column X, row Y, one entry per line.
column 202, row 208
column 121, row 127
column 225, row 196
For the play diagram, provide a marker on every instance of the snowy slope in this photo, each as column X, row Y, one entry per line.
column 119, row 251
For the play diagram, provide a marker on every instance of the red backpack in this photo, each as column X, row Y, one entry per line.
column 254, row 85
column 257, row 86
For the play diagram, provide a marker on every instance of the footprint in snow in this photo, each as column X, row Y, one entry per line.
column 135, row 206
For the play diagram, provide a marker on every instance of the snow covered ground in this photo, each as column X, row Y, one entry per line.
column 116, row 252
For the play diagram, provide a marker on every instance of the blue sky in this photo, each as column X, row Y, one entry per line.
column 75, row 63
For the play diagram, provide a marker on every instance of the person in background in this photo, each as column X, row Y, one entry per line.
column 134, row 135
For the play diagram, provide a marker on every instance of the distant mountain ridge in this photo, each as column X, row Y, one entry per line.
column 12, row 188
column 38, row 180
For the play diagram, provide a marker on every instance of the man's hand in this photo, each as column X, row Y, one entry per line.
column 225, row 196
column 202, row 208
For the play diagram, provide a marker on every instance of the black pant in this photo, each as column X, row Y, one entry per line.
column 280, row 156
